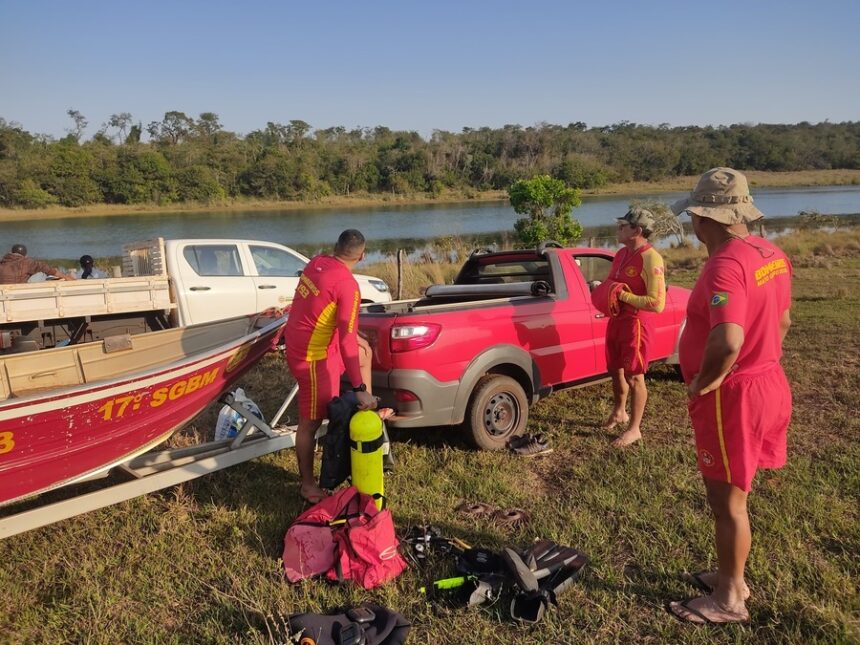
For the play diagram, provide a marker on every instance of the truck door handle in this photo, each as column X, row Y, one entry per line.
column 600, row 315
column 200, row 288
column 267, row 286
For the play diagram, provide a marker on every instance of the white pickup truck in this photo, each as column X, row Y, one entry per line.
column 164, row 283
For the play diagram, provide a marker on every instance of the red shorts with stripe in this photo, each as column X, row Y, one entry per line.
column 742, row 426
column 319, row 383
column 627, row 344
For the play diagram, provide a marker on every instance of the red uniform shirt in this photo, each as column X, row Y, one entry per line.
column 324, row 316
column 628, row 335
column 641, row 270
column 741, row 426
column 746, row 282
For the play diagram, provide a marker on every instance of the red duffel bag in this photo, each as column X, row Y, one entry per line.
column 344, row 537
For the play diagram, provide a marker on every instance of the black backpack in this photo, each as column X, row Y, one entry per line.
column 335, row 466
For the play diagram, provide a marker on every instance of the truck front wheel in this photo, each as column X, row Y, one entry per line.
column 498, row 410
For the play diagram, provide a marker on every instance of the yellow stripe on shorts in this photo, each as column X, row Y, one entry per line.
column 313, row 375
column 719, row 404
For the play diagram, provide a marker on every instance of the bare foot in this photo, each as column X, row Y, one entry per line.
column 614, row 420
column 630, row 436
column 705, row 610
column 707, row 581
column 312, row 493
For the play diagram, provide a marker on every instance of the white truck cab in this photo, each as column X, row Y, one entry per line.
column 214, row 279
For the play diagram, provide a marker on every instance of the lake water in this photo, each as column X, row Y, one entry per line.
column 386, row 227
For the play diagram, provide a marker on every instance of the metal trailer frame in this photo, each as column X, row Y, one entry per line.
column 160, row 469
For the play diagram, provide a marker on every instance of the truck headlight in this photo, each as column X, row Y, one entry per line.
column 379, row 285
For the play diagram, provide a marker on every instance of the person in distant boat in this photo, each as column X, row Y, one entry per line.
column 739, row 399
column 88, row 271
column 637, row 270
column 16, row 267
column 322, row 342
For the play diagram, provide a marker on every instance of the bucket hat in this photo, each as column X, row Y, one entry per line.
column 723, row 195
column 641, row 217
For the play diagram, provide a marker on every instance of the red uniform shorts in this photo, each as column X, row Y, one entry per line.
column 319, row 383
column 742, row 426
column 627, row 344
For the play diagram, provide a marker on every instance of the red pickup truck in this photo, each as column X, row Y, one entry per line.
column 514, row 327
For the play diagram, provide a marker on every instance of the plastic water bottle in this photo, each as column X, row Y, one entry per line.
column 229, row 421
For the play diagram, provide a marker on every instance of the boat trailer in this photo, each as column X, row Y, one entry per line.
column 155, row 470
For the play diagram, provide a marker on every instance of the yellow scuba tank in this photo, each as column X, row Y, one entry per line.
column 365, row 441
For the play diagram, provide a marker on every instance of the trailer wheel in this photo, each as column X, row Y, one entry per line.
column 498, row 410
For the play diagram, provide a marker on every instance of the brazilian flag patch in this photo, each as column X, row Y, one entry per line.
column 719, row 299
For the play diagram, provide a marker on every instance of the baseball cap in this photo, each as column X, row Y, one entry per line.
column 639, row 217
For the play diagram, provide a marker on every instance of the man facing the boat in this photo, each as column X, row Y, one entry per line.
column 322, row 343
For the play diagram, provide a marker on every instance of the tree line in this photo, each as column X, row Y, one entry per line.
column 194, row 159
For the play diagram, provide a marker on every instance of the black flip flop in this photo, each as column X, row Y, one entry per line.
column 685, row 604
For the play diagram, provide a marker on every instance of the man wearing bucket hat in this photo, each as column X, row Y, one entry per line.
column 637, row 271
column 739, row 398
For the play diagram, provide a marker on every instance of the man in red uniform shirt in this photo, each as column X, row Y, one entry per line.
column 322, row 342
column 639, row 268
column 739, row 398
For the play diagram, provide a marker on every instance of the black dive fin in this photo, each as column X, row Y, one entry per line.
column 548, row 557
column 561, row 580
column 529, row 607
column 519, row 571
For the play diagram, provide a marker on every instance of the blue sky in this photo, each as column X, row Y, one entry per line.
column 429, row 65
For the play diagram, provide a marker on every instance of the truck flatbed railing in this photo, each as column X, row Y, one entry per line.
column 56, row 299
